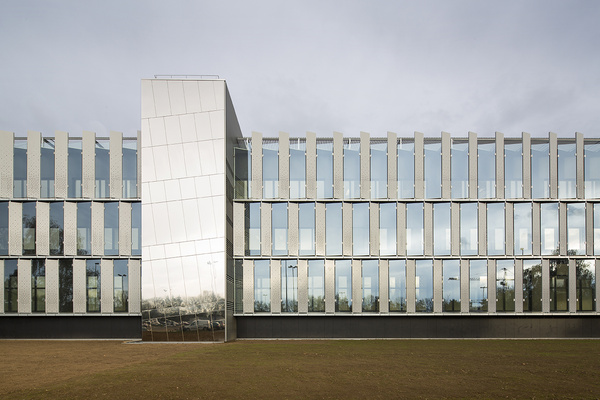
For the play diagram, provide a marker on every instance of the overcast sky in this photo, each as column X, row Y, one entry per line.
column 320, row 66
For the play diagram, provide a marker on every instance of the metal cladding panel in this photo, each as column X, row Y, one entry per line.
column 148, row 110
column 392, row 159
column 124, row 229
column 284, row 165
column 572, row 286
column 374, row 228
column 24, row 282
column 365, row 165
column 553, row 145
column 347, row 229
column 428, row 228
column 248, row 278
column 1, row 291
column 518, row 286
column 176, row 97
column 329, row 286
column 384, row 298
column 411, row 291
column 15, row 228
column 70, row 230
column 320, row 229
column 34, row 161
column 437, row 286
column 265, row 229
column 499, row 165
column 580, row 165
column 491, row 277
column 161, row 98
column 61, row 164
column 139, row 165
column 42, row 228
column 238, row 229
column 545, row 285
column 536, row 232
column 464, row 286
column 562, row 229
column 276, row 286
column 79, row 286
column 135, row 292
column 116, row 165
column 472, row 165
column 455, row 229
column 302, row 286
column 589, row 232
column 52, row 286
column 338, row 166
column 509, row 228
column 293, row 229
column 311, row 165
column 446, row 185
column 106, row 286
column 256, row 185
column 6, row 164
column 419, row 155
column 97, row 228
column 401, row 228
column 88, row 164
column 192, row 96
column 356, row 286
column 526, row 138
column 482, row 228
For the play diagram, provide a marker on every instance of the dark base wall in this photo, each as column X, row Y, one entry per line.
column 306, row 327
column 80, row 327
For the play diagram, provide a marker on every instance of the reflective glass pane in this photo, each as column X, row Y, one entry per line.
column 540, row 170
column 370, row 286
column 441, row 228
column 486, row 170
column 270, row 160
column 567, row 167
column 549, row 228
column 297, row 169
column 243, row 173
column 324, row 170
column 387, row 229
column 3, row 228
column 459, row 169
column 47, row 168
column 65, row 285
column 513, row 170
column 75, row 168
column 20, row 168
column 424, row 286
column 316, row 286
column 279, row 234
column 586, row 285
column 130, row 170
column 38, row 285
column 333, row 229
column 522, row 228
column 360, row 229
column 468, row 229
column 351, row 169
column 576, row 228
column 262, row 286
column 29, row 223
column 57, row 222
column 93, row 289
column 596, row 229
column 406, row 169
column 252, row 231
column 505, row 285
column 414, row 229
column 532, row 285
column 11, row 286
column 84, row 228
column 306, row 227
column 495, row 228
column 397, row 285
column 102, row 169
column 343, row 286
column 136, row 229
column 478, row 287
column 592, row 170
column 432, row 169
column 451, row 285
column 379, row 170
column 121, row 285
column 289, row 285
column 111, row 229
column 559, row 285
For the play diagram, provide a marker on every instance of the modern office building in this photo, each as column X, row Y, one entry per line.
column 191, row 231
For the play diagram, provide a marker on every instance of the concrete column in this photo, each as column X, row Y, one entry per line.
column 499, row 165
column 320, row 229
column 135, row 292
column 410, row 286
column 356, row 286
column 438, row 282
column 248, row 283
column 52, row 285
column 61, row 164
column 7, row 140
column 464, row 286
column 518, row 286
column 34, row 161
column 536, row 231
column 265, row 229
column 311, row 165
column 401, row 229
column 256, row 185
column 509, row 228
column 70, row 229
column 589, row 228
column 526, row 138
column 384, row 284
column 106, row 286
column 572, row 286
column 116, row 165
column 24, row 286
column 374, row 229
column 338, row 166
column 79, row 286
column 482, row 228
column 88, row 164
column 455, row 229
column 428, row 229
column 419, row 168
column 392, row 157
column 329, row 286
column 302, row 286
column 125, row 228
column 553, row 145
column 284, row 165
column 347, row 229
column 579, row 154
column 15, row 228
column 562, row 228
column 238, row 229
column 491, row 285
column 446, row 151
column 293, row 229
column 275, row 286
column 97, row 228
column 42, row 228
column 472, row 165
column 365, row 166
column 545, row 286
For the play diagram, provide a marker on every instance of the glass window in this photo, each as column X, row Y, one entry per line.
column 495, row 228
column 567, row 167
column 38, row 285
column 343, row 286
column 57, row 224
column 270, row 170
column 316, row 286
column 379, row 170
column 29, row 228
column 324, row 170
column 279, row 220
column 370, row 286
column 297, row 169
column 459, row 169
column 414, row 229
column 84, row 228
column 120, row 285
column 559, row 285
column 441, row 228
column 397, row 281
column 93, row 290
column 586, row 285
column 47, row 168
column 522, row 228
column 360, row 229
column 333, row 229
column 65, row 285
column 387, row 229
column 102, row 169
column 592, row 169
column 306, row 226
column 136, row 229
column 243, row 172
column 351, row 169
column 252, row 233
column 3, row 228
column 505, row 285
column 20, row 168
column 596, row 228
column 576, row 228
column 432, row 166
column 111, row 229
column 478, row 288
column 451, row 285
column 513, row 170
column 424, row 286
column 289, row 285
column 406, row 169
column 239, row 286
column 532, row 285
column 486, row 170
column 549, row 228
column 468, row 229
column 75, row 168
column 130, row 168
column 11, row 286
column 540, row 170
column 262, row 286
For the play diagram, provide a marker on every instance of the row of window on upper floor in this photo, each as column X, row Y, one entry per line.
column 472, row 218
column 487, row 184
column 75, row 173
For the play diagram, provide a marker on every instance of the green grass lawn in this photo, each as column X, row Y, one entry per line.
column 302, row 369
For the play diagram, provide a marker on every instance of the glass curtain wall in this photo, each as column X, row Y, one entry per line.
column 406, row 169
column 559, row 285
column 29, row 223
column 316, row 286
column 75, row 168
column 252, row 231
column 468, row 229
column 478, row 286
column 495, row 228
column 102, row 169
column 513, row 170
column 486, row 169
column 351, row 169
column 3, row 228
column 549, row 228
column 111, row 229
column 441, row 229
column 567, row 167
column 424, row 286
column 38, row 285
column 84, row 228
column 20, row 168
column 370, row 286
column 65, row 285
column 279, row 234
column 586, row 285
column 262, row 286
column 505, row 285
column 47, row 169
column 306, row 227
column 592, row 170
column 596, row 229
column 289, row 286
column 540, row 170
column 130, row 169
column 57, row 223
column 360, row 229
column 432, row 169
column 333, row 229
column 324, row 170
column 93, row 289
column 243, row 172
column 297, row 169
column 120, row 285
column 451, row 285
column 522, row 228
column 414, row 229
column 397, row 285
column 343, row 286
column 576, row 228
column 459, row 169
column 379, row 170
column 270, row 169
column 11, row 286
column 532, row 285
column 387, row 229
